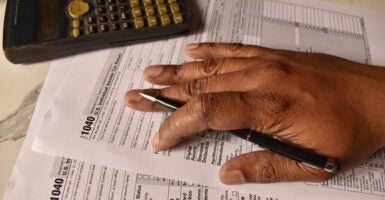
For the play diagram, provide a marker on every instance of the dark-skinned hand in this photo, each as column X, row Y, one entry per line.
column 325, row 104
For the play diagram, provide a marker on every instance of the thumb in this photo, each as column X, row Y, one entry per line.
column 268, row 167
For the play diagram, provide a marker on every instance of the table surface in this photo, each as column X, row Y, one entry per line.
column 16, row 81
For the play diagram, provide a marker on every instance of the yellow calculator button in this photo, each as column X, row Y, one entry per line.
column 78, row 8
column 174, row 7
column 159, row 1
column 75, row 32
column 165, row 19
column 136, row 12
column 134, row 3
column 147, row 2
column 75, row 23
column 172, row 1
column 162, row 9
column 152, row 21
column 139, row 22
column 150, row 10
column 178, row 18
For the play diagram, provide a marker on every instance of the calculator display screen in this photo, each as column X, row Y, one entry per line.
column 51, row 21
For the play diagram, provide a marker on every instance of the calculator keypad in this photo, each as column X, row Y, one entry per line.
column 101, row 16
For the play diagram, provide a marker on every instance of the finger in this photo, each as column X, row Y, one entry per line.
column 135, row 101
column 222, row 111
column 265, row 73
column 197, row 115
column 222, row 50
column 230, row 82
column 268, row 167
column 172, row 74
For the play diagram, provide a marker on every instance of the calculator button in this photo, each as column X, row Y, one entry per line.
column 102, row 18
column 75, row 32
column 159, row 1
column 114, row 17
column 112, row 8
column 178, row 18
column 124, row 16
column 134, row 3
column 162, row 9
column 152, row 21
column 75, row 23
column 103, row 27
column 114, row 26
column 91, row 20
column 174, row 7
column 101, row 10
column 165, row 19
column 172, row 1
column 78, row 8
column 147, row 2
column 126, row 25
column 150, row 10
column 136, row 12
column 92, row 29
column 139, row 22
column 111, row 1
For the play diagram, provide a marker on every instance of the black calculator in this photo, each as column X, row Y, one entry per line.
column 38, row 30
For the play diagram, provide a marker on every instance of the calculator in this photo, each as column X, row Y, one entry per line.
column 38, row 30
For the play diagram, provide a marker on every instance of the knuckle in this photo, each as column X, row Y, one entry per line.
column 266, row 174
column 196, row 87
column 177, row 73
column 234, row 48
column 274, row 69
column 210, row 67
column 277, row 104
column 210, row 45
column 268, row 109
column 269, row 175
column 204, row 105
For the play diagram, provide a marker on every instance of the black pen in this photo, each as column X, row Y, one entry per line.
column 273, row 144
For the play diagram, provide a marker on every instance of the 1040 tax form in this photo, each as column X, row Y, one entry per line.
column 41, row 176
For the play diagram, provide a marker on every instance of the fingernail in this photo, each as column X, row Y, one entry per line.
column 232, row 177
column 132, row 97
column 153, row 71
column 192, row 46
column 155, row 141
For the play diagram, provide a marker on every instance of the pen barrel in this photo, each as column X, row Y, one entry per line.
column 265, row 141
column 168, row 103
column 283, row 148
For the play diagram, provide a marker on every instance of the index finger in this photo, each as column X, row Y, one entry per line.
column 220, row 111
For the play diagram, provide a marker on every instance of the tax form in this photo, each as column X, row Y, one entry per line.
column 40, row 176
column 88, row 120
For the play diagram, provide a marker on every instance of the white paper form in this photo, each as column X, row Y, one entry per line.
column 88, row 120
column 40, row 176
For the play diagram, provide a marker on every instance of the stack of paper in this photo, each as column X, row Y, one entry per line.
column 84, row 143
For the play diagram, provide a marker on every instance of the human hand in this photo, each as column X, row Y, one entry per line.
column 328, row 105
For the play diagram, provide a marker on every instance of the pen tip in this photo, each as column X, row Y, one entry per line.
column 146, row 96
